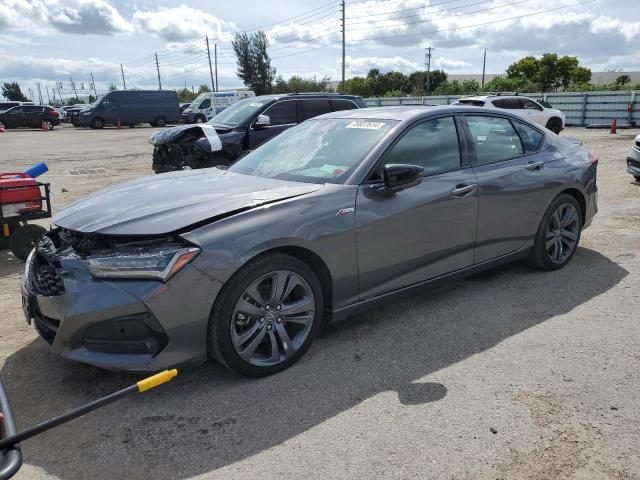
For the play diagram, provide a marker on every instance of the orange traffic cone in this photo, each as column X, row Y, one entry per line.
column 43, row 126
column 2, row 129
column 614, row 127
column 118, row 123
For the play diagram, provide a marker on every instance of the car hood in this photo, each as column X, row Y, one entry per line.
column 169, row 202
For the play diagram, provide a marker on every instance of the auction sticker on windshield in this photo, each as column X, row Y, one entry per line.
column 366, row 125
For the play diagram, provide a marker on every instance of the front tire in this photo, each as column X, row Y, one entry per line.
column 266, row 316
column 24, row 238
column 555, row 125
column 558, row 235
column 97, row 123
column 159, row 122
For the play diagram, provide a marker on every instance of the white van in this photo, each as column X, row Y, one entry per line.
column 209, row 104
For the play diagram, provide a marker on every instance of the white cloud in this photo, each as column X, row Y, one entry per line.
column 450, row 64
column 181, row 23
column 361, row 65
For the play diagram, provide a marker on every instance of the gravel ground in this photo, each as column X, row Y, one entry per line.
column 512, row 373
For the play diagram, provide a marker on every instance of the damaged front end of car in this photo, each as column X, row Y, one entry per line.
column 108, row 300
column 194, row 146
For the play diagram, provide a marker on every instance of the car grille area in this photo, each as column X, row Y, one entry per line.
column 43, row 276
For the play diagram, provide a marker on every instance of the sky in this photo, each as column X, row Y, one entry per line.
column 51, row 41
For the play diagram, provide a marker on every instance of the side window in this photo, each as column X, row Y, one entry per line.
column 206, row 103
column 282, row 113
column 508, row 103
column 529, row 105
column 531, row 138
column 313, row 108
column 15, row 111
column 32, row 109
column 432, row 145
column 494, row 139
column 340, row 104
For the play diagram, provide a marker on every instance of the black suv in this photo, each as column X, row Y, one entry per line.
column 241, row 127
column 30, row 116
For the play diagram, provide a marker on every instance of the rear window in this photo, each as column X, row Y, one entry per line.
column 531, row 138
column 313, row 107
column 340, row 104
column 473, row 103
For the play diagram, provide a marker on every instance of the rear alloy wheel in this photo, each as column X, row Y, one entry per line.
column 48, row 124
column 160, row 122
column 266, row 316
column 558, row 235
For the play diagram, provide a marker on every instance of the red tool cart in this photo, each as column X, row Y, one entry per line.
column 22, row 199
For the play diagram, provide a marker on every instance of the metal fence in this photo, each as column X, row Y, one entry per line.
column 580, row 108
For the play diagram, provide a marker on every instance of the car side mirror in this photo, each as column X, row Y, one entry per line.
column 399, row 176
column 262, row 121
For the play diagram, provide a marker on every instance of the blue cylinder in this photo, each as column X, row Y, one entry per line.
column 37, row 170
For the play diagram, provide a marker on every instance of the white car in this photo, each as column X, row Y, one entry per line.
column 537, row 111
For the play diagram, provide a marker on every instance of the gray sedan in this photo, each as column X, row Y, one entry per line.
column 328, row 218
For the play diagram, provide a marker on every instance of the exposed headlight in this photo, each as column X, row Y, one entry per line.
column 159, row 263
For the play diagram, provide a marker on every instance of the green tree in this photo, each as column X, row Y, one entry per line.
column 186, row 96
column 253, row 61
column 525, row 68
column 11, row 91
column 622, row 80
column 204, row 88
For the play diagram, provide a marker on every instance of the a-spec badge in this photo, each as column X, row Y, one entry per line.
column 343, row 211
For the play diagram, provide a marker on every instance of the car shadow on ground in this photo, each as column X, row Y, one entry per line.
column 208, row 418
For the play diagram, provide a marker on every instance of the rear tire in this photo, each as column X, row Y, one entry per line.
column 24, row 238
column 160, row 122
column 558, row 235
column 265, row 324
column 200, row 119
column 637, row 177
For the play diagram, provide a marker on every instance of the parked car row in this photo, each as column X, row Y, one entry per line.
column 30, row 116
column 240, row 128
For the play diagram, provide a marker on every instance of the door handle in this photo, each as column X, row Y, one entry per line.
column 533, row 166
column 464, row 189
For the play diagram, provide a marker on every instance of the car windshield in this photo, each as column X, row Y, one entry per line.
column 238, row 113
column 545, row 104
column 316, row 151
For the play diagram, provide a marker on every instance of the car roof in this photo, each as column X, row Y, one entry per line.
column 410, row 113
column 277, row 96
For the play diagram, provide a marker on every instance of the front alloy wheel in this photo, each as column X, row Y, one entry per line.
column 266, row 316
column 272, row 318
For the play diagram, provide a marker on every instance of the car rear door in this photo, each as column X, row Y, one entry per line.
column 312, row 107
column 515, row 183
column 282, row 114
column 533, row 112
column 406, row 237
column 14, row 117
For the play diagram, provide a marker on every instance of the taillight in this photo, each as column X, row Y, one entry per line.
column 55, row 113
column 594, row 159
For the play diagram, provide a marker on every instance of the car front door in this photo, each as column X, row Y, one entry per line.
column 514, row 183
column 33, row 116
column 282, row 115
column 425, row 231
column 533, row 112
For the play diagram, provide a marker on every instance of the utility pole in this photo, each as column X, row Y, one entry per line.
column 48, row 97
column 344, row 26
column 73, row 85
column 427, row 63
column 484, row 65
column 213, row 85
column 215, row 57
column 39, row 93
column 59, row 94
column 123, row 82
column 30, row 94
column 93, row 84
column 158, row 68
